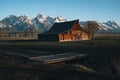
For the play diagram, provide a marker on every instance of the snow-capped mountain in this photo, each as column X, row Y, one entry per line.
column 59, row 19
column 45, row 22
column 14, row 20
column 109, row 26
column 2, row 24
column 105, row 27
column 20, row 23
column 42, row 23
column 4, row 27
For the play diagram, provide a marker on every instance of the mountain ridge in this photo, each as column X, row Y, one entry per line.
column 42, row 23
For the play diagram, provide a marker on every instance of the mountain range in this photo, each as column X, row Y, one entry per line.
column 42, row 23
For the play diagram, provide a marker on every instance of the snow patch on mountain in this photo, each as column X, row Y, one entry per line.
column 4, row 25
column 45, row 22
column 105, row 27
column 59, row 19
column 41, row 17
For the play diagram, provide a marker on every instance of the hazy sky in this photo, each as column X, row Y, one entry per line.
column 100, row 10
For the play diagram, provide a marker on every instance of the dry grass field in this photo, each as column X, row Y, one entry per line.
column 102, row 62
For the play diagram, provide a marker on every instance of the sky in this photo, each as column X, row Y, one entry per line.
column 98, row 10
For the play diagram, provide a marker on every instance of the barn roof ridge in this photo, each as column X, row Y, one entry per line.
column 61, row 27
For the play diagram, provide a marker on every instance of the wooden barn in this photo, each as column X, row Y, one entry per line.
column 65, row 31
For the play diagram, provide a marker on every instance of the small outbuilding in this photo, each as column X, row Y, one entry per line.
column 65, row 31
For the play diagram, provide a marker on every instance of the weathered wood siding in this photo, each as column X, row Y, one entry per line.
column 76, row 29
column 68, row 37
column 74, row 34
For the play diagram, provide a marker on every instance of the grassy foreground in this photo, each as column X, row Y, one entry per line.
column 99, row 45
column 103, row 62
